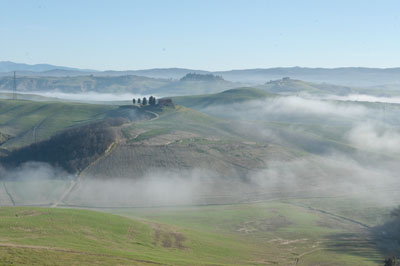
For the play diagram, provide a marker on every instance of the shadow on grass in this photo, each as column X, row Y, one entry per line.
column 371, row 244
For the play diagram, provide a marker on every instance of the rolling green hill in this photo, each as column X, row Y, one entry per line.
column 294, row 86
column 270, row 233
column 225, row 97
column 23, row 120
column 29, row 97
column 115, row 84
column 79, row 84
column 181, row 138
column 300, row 218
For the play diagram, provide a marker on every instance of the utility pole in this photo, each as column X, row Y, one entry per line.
column 14, row 96
column 35, row 134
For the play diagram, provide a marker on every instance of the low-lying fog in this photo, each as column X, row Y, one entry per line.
column 333, row 175
column 88, row 97
column 365, row 98
column 364, row 164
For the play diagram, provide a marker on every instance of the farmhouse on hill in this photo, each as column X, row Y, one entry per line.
column 165, row 102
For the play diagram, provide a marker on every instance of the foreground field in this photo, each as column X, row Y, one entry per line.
column 286, row 232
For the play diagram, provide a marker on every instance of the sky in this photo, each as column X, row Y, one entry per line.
column 209, row 35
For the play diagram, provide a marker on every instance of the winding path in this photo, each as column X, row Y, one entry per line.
column 109, row 149
column 8, row 194
column 334, row 215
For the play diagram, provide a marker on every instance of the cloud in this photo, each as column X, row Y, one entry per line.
column 87, row 96
column 32, row 171
column 288, row 107
column 365, row 98
column 371, row 136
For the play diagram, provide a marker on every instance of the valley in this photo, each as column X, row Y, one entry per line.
column 230, row 178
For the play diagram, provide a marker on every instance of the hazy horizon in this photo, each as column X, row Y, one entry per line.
column 208, row 35
column 208, row 70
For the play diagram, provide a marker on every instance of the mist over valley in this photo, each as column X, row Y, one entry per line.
column 200, row 133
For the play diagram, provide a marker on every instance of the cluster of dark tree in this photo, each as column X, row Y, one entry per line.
column 391, row 262
column 73, row 149
column 152, row 101
column 390, row 230
column 201, row 77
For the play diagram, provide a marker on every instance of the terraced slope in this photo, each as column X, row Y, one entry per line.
column 182, row 139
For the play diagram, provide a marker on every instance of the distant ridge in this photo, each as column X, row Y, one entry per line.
column 8, row 66
column 346, row 76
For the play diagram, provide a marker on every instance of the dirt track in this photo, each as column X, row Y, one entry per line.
column 8, row 194
column 119, row 139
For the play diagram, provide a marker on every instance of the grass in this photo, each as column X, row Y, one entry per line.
column 21, row 118
column 225, row 97
column 178, row 118
column 69, row 231
column 280, row 231
column 269, row 233
column 369, row 211
column 60, row 232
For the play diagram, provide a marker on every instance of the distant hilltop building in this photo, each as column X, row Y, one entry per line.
column 165, row 102
column 279, row 81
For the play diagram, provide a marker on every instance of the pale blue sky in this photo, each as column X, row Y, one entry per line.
column 211, row 35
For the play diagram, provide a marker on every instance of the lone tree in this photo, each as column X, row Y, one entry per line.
column 138, row 100
column 133, row 101
column 144, row 101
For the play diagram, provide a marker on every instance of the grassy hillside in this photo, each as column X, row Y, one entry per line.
column 23, row 120
column 287, row 234
column 273, row 233
column 172, row 119
column 347, row 76
column 193, row 87
column 294, row 86
column 295, row 225
column 182, row 138
column 27, row 96
column 77, row 84
column 112, row 83
column 225, row 97
column 73, row 149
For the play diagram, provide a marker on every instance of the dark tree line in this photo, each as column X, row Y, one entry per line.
column 391, row 262
column 152, row 101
